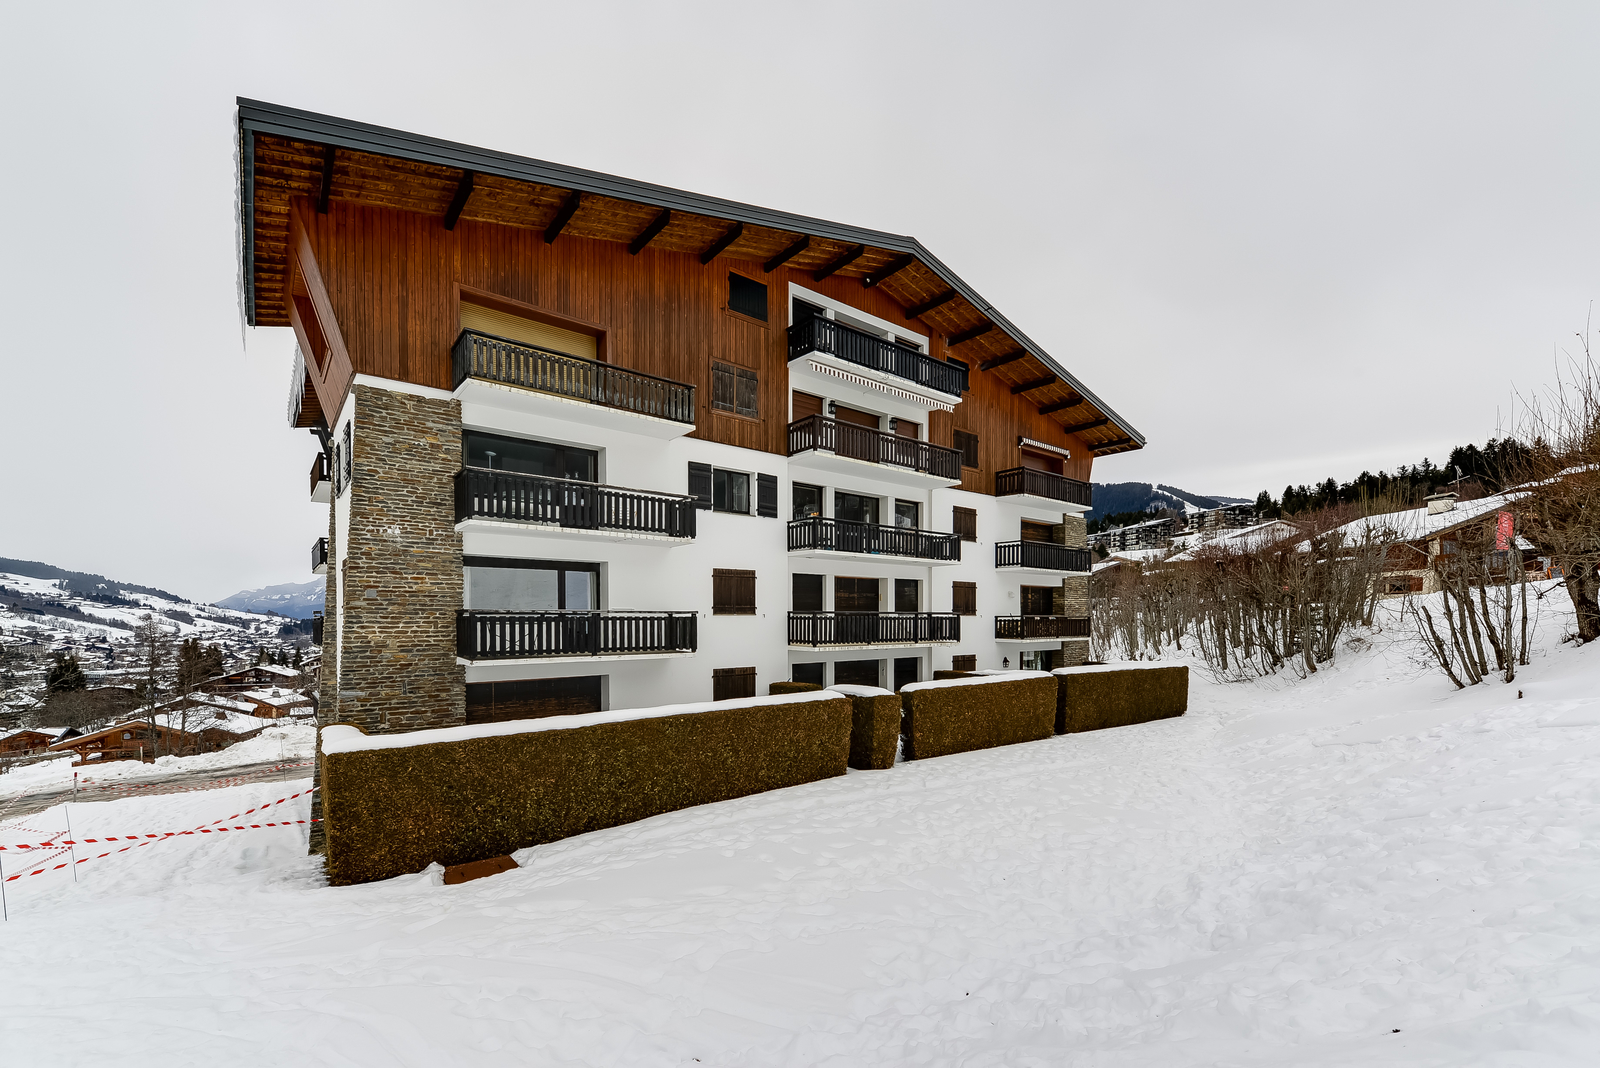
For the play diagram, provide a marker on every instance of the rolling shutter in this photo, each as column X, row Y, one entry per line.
column 528, row 331
column 767, row 496
column 700, row 484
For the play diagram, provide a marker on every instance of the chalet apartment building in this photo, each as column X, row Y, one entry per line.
column 589, row 443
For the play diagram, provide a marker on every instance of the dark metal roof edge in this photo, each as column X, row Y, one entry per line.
column 262, row 117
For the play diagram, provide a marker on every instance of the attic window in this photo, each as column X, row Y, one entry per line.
column 747, row 296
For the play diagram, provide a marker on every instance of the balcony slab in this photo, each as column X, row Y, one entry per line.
column 512, row 670
column 482, row 403
column 827, row 463
column 870, row 558
column 518, row 528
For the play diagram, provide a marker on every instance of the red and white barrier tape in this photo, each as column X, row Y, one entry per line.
column 19, row 847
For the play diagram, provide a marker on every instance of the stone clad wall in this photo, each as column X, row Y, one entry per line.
column 402, row 577
column 1073, row 599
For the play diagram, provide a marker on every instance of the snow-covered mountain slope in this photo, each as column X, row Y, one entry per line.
column 1361, row 868
column 1112, row 498
column 294, row 599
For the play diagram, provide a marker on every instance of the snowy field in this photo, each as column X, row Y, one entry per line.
column 1365, row 867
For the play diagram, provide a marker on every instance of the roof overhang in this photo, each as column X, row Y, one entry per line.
column 286, row 153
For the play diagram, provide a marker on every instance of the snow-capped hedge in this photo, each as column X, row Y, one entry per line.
column 1096, row 696
column 393, row 804
column 958, row 715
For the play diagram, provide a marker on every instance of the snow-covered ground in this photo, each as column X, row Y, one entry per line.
column 1365, row 867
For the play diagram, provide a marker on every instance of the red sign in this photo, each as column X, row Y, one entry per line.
column 1505, row 524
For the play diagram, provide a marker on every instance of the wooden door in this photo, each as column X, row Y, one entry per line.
column 855, row 594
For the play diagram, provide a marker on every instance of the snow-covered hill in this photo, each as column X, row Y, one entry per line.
column 294, row 599
column 1113, row 498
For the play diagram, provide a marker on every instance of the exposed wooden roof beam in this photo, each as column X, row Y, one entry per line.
column 327, row 179
column 568, row 209
column 1081, row 427
column 1061, row 406
column 968, row 335
column 1001, row 361
column 787, row 254
column 850, row 256
column 1037, row 383
column 720, row 245
column 1107, row 445
column 927, row 306
column 452, row 214
column 893, row 267
column 648, row 234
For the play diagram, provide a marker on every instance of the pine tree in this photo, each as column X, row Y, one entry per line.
column 66, row 676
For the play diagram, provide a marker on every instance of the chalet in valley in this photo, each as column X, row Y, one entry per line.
column 587, row 442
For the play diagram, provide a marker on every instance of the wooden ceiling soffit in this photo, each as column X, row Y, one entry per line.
column 564, row 214
column 1111, row 446
column 849, row 256
column 648, row 234
column 326, row 189
column 787, row 254
column 1093, row 424
column 720, row 245
column 1061, row 406
column 968, row 335
column 918, row 311
column 1037, row 383
column 888, row 270
column 452, row 214
column 1001, row 361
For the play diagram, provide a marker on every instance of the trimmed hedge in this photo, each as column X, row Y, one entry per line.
column 1094, row 698
column 874, row 729
column 941, row 675
column 791, row 687
column 396, row 810
column 961, row 715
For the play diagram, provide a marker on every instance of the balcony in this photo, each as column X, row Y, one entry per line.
column 1041, row 556
column 319, row 556
column 825, row 337
column 813, row 629
column 1024, row 485
column 565, row 506
column 542, row 635
column 843, row 447
column 321, row 485
column 507, row 374
column 821, row 536
column 1038, row 628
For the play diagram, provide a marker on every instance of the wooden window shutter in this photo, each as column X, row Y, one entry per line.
column 700, row 484
column 723, row 390
column 747, row 397
column 964, row 598
column 968, row 662
column 733, row 592
column 767, row 496
column 965, row 522
column 730, row 684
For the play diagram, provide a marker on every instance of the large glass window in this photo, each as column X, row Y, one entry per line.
column 494, row 585
column 730, row 491
column 854, row 507
column 530, row 457
column 908, row 515
column 807, row 500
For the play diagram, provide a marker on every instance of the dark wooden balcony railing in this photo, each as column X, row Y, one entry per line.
column 868, row 350
column 507, row 495
column 514, row 364
column 319, row 471
column 319, row 556
column 873, row 446
column 848, row 536
column 1041, row 555
column 873, row 628
column 1042, row 484
column 1025, row 627
column 523, row 635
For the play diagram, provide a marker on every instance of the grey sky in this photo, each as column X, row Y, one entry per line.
column 1283, row 243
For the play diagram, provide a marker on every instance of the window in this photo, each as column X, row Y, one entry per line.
column 855, row 508
column 965, row 522
column 804, row 309
column 964, row 598
column 807, row 593
column 733, row 592
column 855, row 595
column 969, row 662
column 857, row 672
column 496, row 702
column 1037, row 659
column 730, row 491
column 807, row 500
column 747, row 296
column 734, row 389
column 530, row 457
column 812, row 673
column 906, row 594
column 856, row 417
column 1037, row 600
column 905, row 428
column 1032, row 531
column 804, row 405
column 730, row 684
column 497, row 585
column 908, row 515
column 967, row 445
column 907, row 669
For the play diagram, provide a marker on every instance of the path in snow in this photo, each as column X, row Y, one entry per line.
column 1285, row 876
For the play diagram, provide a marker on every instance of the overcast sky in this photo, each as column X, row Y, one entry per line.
column 1283, row 243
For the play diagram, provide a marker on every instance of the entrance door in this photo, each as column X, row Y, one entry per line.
column 496, row 702
column 855, row 594
column 856, row 673
column 1036, row 600
column 906, row 669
